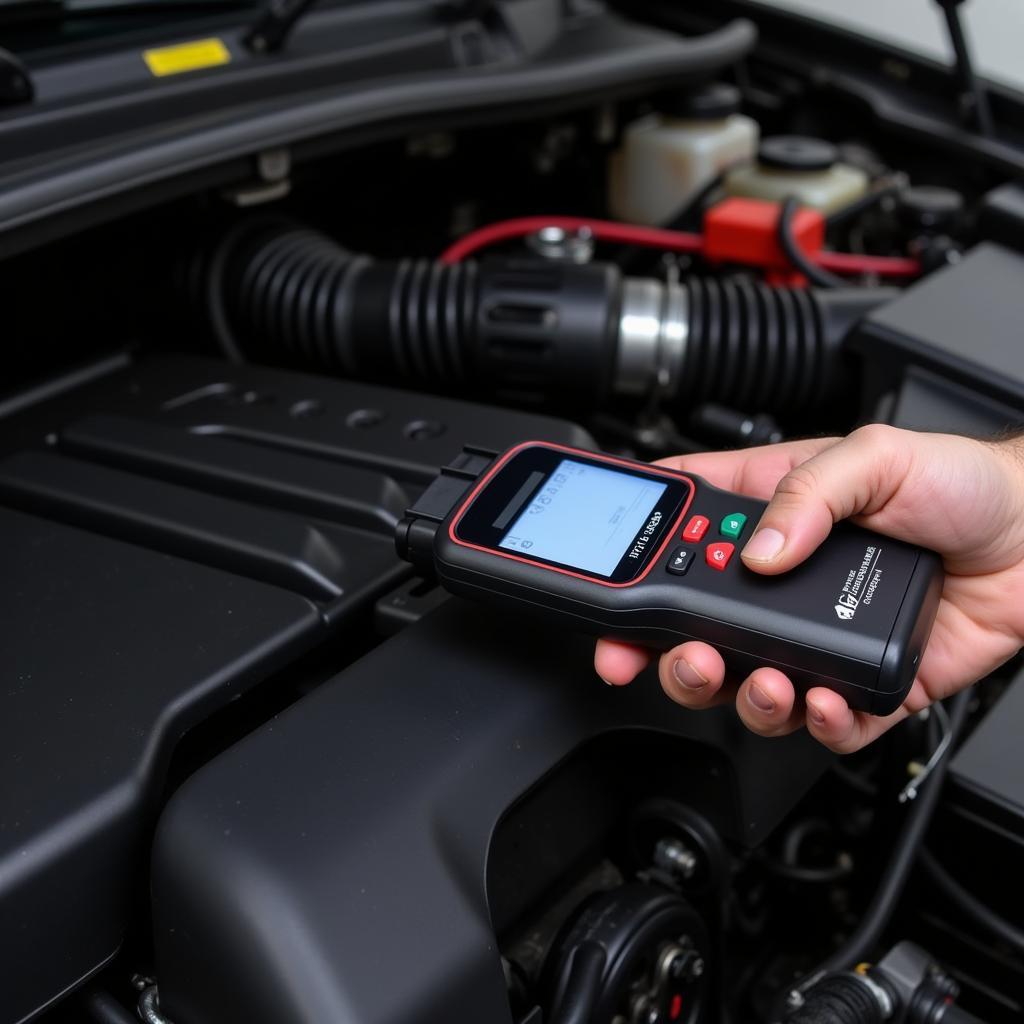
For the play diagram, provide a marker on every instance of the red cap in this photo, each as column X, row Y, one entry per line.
column 739, row 230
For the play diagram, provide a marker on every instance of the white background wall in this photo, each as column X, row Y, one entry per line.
column 995, row 28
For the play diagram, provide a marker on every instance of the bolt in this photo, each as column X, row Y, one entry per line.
column 274, row 164
column 686, row 966
column 556, row 243
column 676, row 857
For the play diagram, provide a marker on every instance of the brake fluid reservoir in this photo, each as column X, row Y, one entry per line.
column 668, row 157
column 792, row 165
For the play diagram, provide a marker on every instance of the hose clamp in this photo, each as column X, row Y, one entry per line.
column 653, row 334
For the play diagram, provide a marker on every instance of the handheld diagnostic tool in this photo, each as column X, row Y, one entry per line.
column 648, row 555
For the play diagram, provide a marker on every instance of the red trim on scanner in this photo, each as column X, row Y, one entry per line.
column 655, row 470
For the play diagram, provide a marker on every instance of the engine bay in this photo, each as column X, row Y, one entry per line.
column 259, row 768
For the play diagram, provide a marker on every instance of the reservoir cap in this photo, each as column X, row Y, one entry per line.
column 713, row 102
column 796, row 153
column 930, row 207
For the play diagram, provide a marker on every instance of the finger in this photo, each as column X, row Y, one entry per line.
column 618, row 663
column 753, row 471
column 692, row 675
column 857, row 475
column 830, row 721
column 766, row 702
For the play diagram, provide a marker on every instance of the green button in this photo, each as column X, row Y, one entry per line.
column 732, row 525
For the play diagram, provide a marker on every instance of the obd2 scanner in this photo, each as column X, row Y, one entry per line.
column 647, row 555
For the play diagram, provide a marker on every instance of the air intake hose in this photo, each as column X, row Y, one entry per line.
column 843, row 998
column 529, row 330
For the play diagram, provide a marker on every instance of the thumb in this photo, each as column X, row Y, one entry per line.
column 856, row 476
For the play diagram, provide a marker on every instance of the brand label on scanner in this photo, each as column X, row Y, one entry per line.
column 861, row 584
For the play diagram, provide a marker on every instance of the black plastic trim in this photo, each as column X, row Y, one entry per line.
column 602, row 56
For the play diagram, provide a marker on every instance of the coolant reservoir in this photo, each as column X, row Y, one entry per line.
column 668, row 157
column 806, row 168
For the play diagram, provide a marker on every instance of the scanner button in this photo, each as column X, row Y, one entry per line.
column 732, row 525
column 696, row 528
column 681, row 560
column 718, row 555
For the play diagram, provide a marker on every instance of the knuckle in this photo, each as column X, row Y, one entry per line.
column 849, row 742
column 798, row 484
column 876, row 436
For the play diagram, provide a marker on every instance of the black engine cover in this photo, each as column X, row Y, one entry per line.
column 332, row 866
column 171, row 535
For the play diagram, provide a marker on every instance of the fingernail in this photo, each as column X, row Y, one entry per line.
column 815, row 715
column 605, row 681
column 760, row 699
column 764, row 545
column 688, row 675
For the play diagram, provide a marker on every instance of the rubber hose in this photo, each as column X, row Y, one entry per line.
column 582, row 986
column 838, row 999
column 796, row 256
column 525, row 330
column 103, row 1008
column 752, row 346
column 861, row 943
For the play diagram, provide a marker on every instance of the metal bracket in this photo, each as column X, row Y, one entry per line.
column 272, row 180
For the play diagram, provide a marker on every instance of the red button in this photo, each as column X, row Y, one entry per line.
column 718, row 555
column 696, row 528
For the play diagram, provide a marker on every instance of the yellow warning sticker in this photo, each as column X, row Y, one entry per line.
column 194, row 56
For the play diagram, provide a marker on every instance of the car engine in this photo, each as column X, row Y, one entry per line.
column 258, row 768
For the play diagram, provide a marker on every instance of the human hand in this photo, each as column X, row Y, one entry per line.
column 961, row 497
